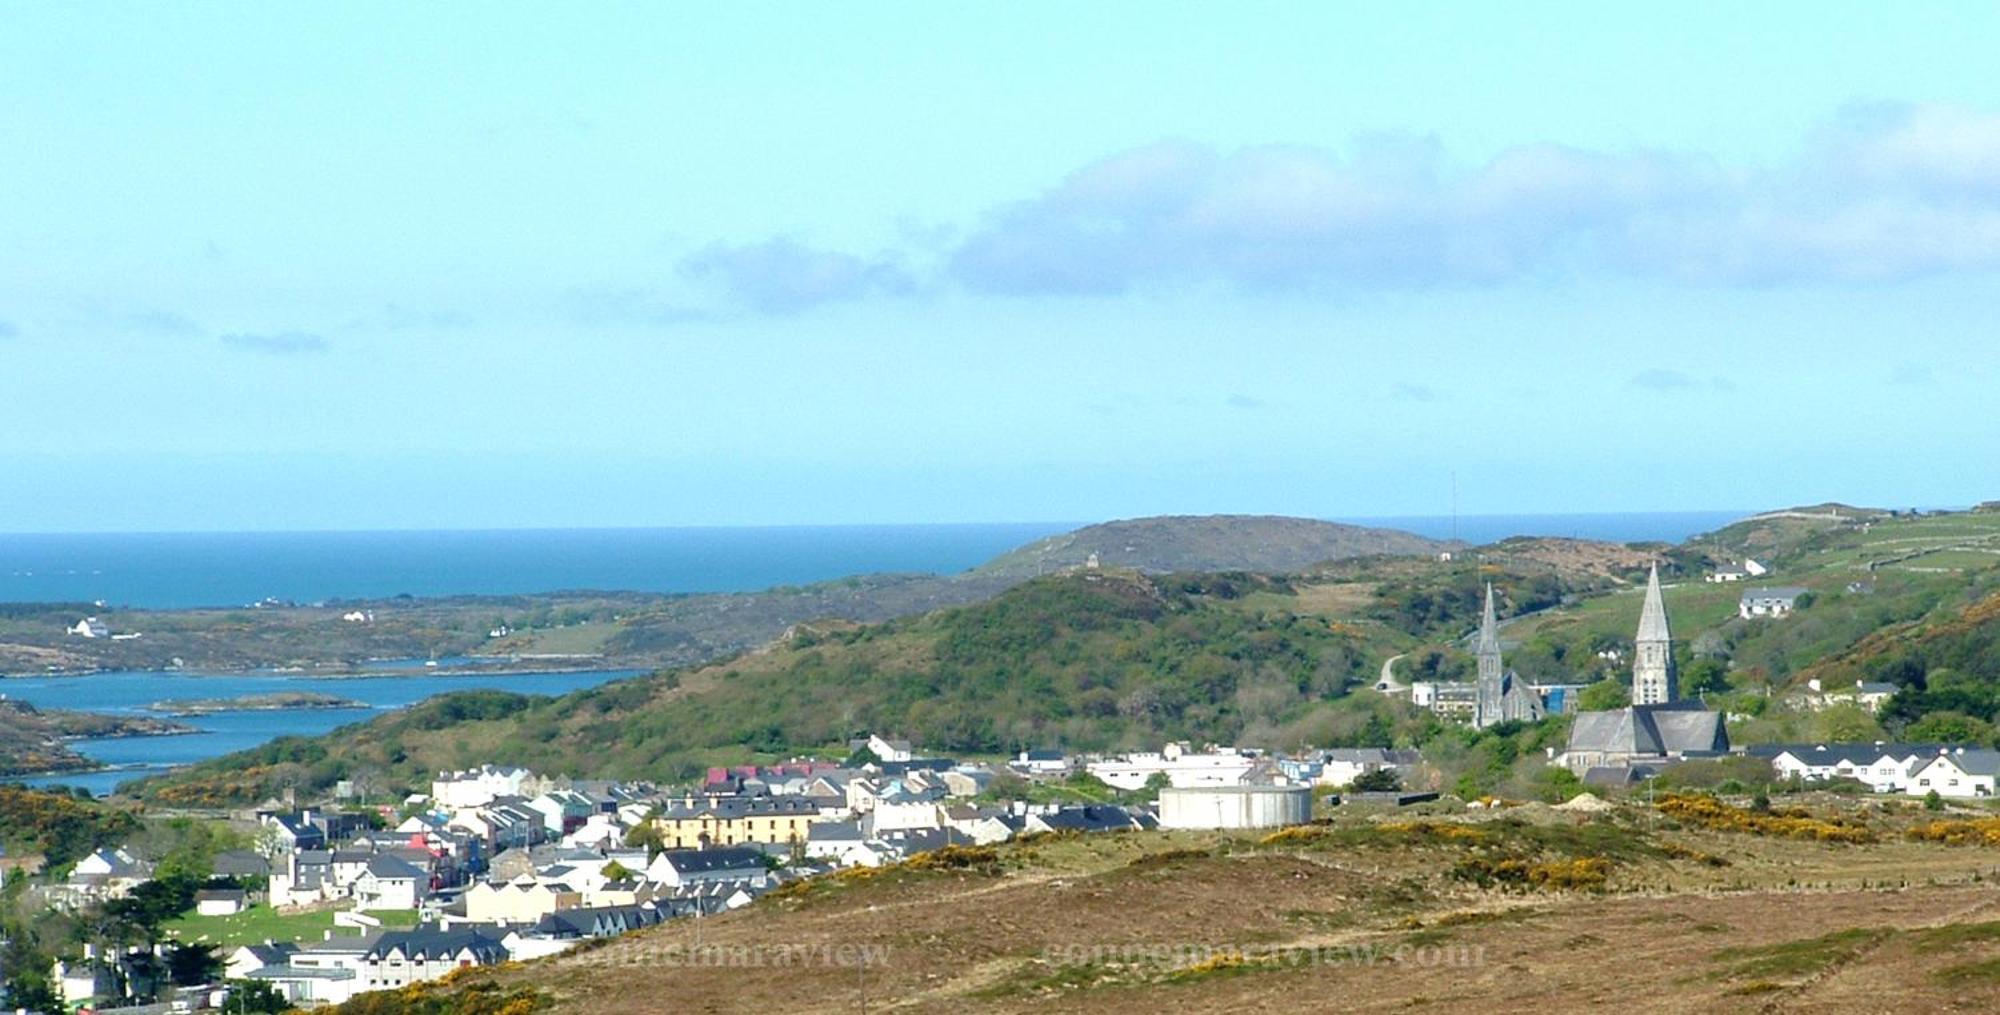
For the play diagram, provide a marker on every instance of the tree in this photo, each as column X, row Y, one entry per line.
column 1933, row 802
column 1603, row 696
column 1379, row 780
column 1705, row 676
column 1948, row 728
column 192, row 965
column 256, row 996
column 615, row 871
column 861, row 758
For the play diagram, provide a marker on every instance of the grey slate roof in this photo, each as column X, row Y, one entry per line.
column 1976, row 761
column 691, row 861
column 1782, row 593
column 394, row 867
column 1678, row 727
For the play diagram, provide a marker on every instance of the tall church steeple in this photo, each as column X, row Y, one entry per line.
column 1655, row 681
column 1488, row 706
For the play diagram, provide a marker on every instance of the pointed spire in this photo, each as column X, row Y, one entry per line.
column 1489, row 626
column 1653, row 619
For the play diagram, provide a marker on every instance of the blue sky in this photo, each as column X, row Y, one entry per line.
column 393, row 266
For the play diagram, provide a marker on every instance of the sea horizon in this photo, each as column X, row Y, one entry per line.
column 182, row 570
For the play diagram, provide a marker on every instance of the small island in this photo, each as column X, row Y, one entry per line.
column 277, row 702
column 35, row 741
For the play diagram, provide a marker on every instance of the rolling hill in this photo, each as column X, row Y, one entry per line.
column 616, row 630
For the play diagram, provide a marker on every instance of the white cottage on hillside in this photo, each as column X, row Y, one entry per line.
column 1964, row 773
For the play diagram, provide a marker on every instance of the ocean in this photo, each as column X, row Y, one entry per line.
column 176, row 570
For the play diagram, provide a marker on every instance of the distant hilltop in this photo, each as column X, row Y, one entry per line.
column 1262, row 543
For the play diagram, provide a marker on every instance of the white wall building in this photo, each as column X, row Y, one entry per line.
column 1224, row 767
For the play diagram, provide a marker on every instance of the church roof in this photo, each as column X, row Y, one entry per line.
column 1673, row 728
column 1653, row 619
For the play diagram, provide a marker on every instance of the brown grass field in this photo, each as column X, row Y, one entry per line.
column 1383, row 913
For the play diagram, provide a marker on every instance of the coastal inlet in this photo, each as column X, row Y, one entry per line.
column 239, row 711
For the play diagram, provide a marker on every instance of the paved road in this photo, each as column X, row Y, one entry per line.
column 1387, row 682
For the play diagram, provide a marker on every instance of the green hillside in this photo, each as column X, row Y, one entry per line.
column 1115, row 658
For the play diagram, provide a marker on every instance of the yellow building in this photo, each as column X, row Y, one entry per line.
column 728, row 821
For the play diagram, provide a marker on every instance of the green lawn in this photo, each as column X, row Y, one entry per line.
column 262, row 923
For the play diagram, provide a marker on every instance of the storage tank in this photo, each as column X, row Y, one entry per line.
column 1235, row 806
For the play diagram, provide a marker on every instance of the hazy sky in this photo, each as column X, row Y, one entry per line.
column 353, row 266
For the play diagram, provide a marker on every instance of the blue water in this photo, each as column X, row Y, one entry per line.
column 171, row 570
column 223, row 732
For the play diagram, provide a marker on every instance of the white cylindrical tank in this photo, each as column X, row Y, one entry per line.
column 1235, row 806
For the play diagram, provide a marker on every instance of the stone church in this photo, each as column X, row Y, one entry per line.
column 1501, row 694
column 1659, row 727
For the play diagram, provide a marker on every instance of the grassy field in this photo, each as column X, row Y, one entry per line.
column 262, row 923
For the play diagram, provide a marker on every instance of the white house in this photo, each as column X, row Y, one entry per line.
column 89, row 627
column 1043, row 762
column 401, row 958
column 1754, row 569
column 1769, row 602
column 107, row 874
column 390, row 883
column 1224, row 767
column 1884, row 768
column 886, row 749
column 680, row 867
column 1962, row 773
column 477, row 787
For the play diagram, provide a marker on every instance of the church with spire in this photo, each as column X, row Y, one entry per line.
column 1501, row 695
column 1659, row 727
column 1655, row 681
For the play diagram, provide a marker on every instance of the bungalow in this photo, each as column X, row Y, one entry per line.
column 1769, row 602
column 1090, row 818
column 1961, row 773
column 1883, row 767
column 89, row 627
column 1040, row 762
